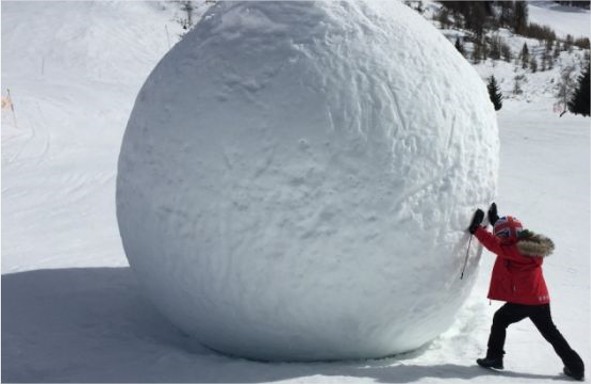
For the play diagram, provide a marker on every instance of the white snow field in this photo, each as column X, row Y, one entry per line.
column 72, row 310
column 292, row 191
column 562, row 19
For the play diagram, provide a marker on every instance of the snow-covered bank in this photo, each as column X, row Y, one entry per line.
column 73, row 76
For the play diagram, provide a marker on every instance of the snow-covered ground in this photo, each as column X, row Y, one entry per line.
column 71, row 309
column 562, row 19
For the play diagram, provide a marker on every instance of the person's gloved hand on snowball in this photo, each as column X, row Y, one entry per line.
column 476, row 221
column 479, row 217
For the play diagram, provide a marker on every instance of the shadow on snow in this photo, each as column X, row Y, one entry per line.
column 93, row 325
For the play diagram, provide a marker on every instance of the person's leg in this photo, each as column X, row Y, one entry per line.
column 505, row 316
column 542, row 319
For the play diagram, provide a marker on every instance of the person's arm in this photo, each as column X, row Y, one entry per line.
column 490, row 241
column 493, row 244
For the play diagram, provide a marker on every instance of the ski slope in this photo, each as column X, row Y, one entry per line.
column 562, row 19
column 71, row 309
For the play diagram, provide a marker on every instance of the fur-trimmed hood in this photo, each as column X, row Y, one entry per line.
column 534, row 244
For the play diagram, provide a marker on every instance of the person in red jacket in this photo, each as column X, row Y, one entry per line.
column 518, row 280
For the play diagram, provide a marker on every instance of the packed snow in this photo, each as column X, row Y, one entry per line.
column 72, row 310
column 299, row 190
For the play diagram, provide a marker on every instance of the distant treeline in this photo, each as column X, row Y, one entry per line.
column 580, row 4
column 482, row 16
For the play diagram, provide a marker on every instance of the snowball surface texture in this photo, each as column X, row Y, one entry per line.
column 296, row 180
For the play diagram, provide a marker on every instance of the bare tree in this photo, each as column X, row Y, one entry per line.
column 443, row 16
column 187, row 7
column 565, row 87
column 517, row 90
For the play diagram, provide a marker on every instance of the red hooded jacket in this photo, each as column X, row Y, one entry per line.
column 517, row 273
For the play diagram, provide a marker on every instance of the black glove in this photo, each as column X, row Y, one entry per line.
column 492, row 214
column 476, row 220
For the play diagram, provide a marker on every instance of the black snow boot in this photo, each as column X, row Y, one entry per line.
column 577, row 375
column 491, row 362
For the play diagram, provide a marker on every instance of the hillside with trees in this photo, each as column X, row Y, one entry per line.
column 529, row 61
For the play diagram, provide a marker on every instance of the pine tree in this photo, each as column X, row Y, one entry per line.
column 485, row 50
column 520, row 17
column 568, row 43
column 476, row 18
column 556, row 53
column 460, row 46
column 495, row 93
column 476, row 52
column 579, row 104
column 495, row 47
column 533, row 64
column 507, row 13
column 506, row 52
column 524, row 56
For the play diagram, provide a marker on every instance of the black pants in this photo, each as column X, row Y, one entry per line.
column 540, row 316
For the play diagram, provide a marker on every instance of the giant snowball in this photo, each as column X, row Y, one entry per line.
column 296, row 180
